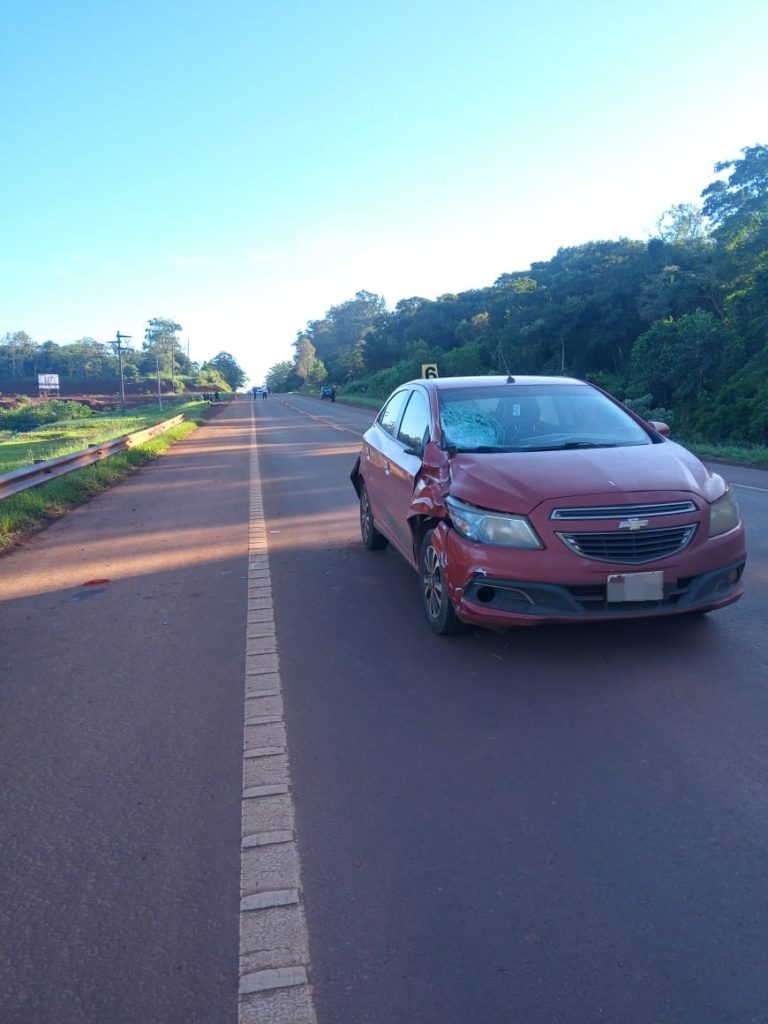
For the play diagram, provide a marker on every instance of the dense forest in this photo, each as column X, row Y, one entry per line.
column 92, row 367
column 676, row 325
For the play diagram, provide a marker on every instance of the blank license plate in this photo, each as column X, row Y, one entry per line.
column 635, row 586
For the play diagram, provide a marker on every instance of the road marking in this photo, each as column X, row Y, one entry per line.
column 747, row 487
column 263, row 981
column 265, row 839
column 320, row 419
column 257, row 791
column 274, row 947
column 263, row 752
column 273, row 898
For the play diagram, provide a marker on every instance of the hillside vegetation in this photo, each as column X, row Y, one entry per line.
column 677, row 325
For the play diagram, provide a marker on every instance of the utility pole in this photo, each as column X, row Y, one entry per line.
column 119, row 338
column 159, row 392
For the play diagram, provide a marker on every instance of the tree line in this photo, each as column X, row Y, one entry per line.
column 88, row 365
column 676, row 325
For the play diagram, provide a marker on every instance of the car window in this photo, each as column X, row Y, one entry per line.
column 390, row 414
column 470, row 423
column 530, row 417
column 415, row 424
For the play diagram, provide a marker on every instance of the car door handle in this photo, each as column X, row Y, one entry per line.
column 387, row 470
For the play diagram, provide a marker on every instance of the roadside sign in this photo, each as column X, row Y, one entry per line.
column 428, row 371
column 48, row 380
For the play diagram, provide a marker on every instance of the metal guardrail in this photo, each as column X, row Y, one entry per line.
column 42, row 472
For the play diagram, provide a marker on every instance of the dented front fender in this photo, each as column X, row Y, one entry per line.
column 431, row 484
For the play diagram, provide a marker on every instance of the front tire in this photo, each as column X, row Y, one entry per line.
column 441, row 617
column 372, row 539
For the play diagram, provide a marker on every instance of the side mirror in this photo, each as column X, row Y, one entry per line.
column 661, row 428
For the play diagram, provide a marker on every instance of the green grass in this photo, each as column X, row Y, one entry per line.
column 66, row 436
column 366, row 401
column 729, row 453
column 30, row 510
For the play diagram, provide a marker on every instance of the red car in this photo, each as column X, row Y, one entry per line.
column 525, row 500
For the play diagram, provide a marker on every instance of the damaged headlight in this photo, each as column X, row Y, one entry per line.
column 492, row 527
column 723, row 514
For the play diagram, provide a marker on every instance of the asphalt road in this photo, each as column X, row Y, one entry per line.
column 121, row 734
column 565, row 824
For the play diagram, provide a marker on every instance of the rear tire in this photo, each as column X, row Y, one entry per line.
column 440, row 614
column 372, row 539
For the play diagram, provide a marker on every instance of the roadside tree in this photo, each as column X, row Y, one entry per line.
column 162, row 347
column 229, row 369
column 281, row 376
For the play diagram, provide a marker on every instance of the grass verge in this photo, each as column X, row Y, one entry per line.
column 364, row 401
column 66, row 436
column 730, row 453
column 28, row 511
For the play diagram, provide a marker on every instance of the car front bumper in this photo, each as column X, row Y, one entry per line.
column 499, row 588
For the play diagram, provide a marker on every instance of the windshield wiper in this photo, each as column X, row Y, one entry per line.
column 570, row 445
column 454, row 449
column 483, row 448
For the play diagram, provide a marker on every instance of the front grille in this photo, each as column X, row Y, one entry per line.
column 669, row 508
column 630, row 548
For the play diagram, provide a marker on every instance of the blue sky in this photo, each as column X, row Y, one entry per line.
column 240, row 166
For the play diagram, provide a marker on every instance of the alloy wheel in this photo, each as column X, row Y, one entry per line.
column 432, row 582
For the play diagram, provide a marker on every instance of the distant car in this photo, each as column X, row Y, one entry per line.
column 327, row 391
column 533, row 500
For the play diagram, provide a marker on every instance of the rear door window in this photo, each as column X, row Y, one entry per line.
column 389, row 416
column 415, row 424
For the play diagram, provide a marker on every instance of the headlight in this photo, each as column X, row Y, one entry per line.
column 492, row 527
column 723, row 514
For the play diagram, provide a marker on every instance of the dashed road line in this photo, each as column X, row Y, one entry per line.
column 321, row 419
column 274, row 946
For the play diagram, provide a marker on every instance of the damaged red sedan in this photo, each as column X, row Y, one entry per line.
column 527, row 500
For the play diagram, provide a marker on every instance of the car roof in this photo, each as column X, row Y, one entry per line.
column 450, row 383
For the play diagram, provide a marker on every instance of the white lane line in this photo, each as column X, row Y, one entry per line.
column 256, row 791
column 747, row 487
column 273, row 898
column 264, row 839
column 274, row 947
column 320, row 419
column 264, row 981
column 263, row 752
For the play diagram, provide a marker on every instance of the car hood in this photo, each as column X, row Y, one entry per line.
column 517, row 482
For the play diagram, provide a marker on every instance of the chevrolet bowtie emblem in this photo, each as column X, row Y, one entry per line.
column 633, row 524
